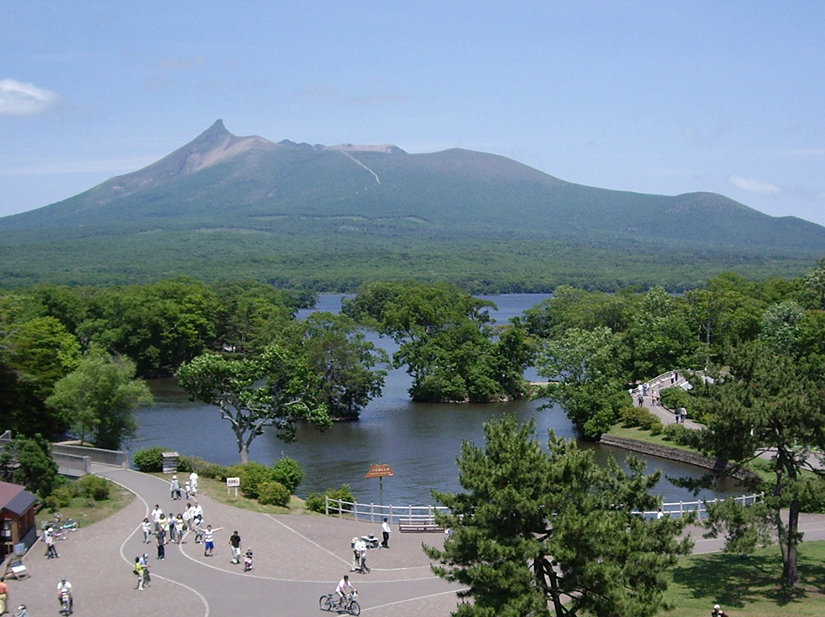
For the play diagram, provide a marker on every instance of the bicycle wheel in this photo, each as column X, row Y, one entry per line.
column 354, row 608
column 325, row 602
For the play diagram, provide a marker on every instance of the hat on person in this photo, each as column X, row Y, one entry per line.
column 716, row 607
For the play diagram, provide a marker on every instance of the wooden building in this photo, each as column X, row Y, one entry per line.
column 17, row 525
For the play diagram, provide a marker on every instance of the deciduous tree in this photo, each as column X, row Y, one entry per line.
column 271, row 389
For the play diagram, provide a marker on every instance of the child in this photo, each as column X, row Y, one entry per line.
column 247, row 560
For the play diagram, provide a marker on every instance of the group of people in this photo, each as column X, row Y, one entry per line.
column 64, row 588
column 190, row 487
column 172, row 529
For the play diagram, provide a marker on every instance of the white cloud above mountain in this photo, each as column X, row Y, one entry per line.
column 22, row 99
column 755, row 186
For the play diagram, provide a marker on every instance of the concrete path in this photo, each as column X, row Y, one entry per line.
column 296, row 558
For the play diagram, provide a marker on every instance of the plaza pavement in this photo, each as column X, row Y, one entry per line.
column 296, row 560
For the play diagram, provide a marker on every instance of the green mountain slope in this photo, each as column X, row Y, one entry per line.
column 240, row 201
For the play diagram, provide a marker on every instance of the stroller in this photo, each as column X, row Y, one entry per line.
column 247, row 560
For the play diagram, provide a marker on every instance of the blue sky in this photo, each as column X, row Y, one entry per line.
column 655, row 97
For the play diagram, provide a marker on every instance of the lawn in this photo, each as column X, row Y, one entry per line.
column 748, row 587
column 87, row 511
column 217, row 490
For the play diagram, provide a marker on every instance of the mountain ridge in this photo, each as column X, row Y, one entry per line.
column 349, row 199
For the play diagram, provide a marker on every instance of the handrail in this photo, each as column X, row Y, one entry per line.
column 424, row 514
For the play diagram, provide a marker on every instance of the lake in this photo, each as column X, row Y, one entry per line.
column 420, row 441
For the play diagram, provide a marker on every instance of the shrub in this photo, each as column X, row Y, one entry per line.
column 273, row 493
column 682, row 435
column 673, row 398
column 288, row 472
column 655, row 427
column 95, row 487
column 201, row 467
column 317, row 502
column 252, row 475
column 149, row 460
column 63, row 496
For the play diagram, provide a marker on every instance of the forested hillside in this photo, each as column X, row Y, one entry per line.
column 225, row 207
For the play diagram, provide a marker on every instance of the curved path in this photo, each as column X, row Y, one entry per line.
column 297, row 558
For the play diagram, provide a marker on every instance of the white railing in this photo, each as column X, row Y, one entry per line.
column 411, row 515
column 678, row 508
column 406, row 515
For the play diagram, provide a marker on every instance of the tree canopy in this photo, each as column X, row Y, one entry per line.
column 270, row 389
column 553, row 533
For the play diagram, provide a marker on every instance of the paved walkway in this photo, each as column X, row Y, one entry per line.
column 297, row 558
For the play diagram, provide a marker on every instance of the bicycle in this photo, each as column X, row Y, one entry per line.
column 328, row 601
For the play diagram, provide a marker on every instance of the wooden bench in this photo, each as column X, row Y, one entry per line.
column 419, row 526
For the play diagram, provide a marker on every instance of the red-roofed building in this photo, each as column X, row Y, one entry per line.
column 16, row 517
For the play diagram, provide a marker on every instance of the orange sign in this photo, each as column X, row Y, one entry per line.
column 379, row 471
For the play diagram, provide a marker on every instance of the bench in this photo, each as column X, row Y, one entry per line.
column 419, row 526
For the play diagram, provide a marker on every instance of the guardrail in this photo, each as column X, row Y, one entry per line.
column 412, row 515
column 77, row 460
column 373, row 513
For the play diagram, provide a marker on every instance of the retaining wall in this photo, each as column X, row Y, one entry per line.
column 717, row 465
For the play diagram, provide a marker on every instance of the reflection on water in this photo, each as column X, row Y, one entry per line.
column 419, row 441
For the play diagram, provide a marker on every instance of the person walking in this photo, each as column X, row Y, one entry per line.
column 161, row 542
column 156, row 514
column 4, row 596
column 385, row 530
column 193, row 482
column 174, row 488
column 48, row 538
column 361, row 548
column 235, row 543
column 138, row 570
column 146, row 528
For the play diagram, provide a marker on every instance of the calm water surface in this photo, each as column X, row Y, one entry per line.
column 419, row 441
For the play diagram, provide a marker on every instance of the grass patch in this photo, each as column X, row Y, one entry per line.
column 641, row 435
column 748, row 587
column 216, row 490
column 86, row 511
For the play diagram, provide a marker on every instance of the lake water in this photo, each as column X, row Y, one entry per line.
column 420, row 441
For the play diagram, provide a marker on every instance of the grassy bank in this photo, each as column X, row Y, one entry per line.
column 748, row 587
column 86, row 511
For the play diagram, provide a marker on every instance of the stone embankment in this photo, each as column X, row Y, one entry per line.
column 718, row 466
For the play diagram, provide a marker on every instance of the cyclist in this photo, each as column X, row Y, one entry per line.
column 65, row 586
column 344, row 587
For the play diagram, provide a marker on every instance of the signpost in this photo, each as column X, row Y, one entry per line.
column 232, row 483
column 380, row 472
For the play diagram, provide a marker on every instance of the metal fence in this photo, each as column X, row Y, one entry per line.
column 412, row 515
column 403, row 515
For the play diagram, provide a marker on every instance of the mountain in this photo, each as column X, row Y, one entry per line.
column 222, row 204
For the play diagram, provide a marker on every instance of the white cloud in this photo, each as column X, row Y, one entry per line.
column 755, row 186
column 19, row 99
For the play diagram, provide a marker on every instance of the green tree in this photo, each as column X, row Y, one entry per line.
column 539, row 533
column 589, row 381
column 28, row 461
column 99, row 397
column 767, row 402
column 344, row 362
column 271, row 389
column 446, row 340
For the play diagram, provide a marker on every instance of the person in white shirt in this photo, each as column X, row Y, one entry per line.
column 385, row 529
column 343, row 588
column 156, row 514
column 64, row 586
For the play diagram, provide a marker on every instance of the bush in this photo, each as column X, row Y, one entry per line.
column 149, row 460
column 637, row 416
column 273, row 493
column 288, row 472
column 673, row 398
column 317, row 502
column 656, row 427
column 252, row 475
column 682, row 435
column 95, row 487
column 62, row 496
column 202, row 468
